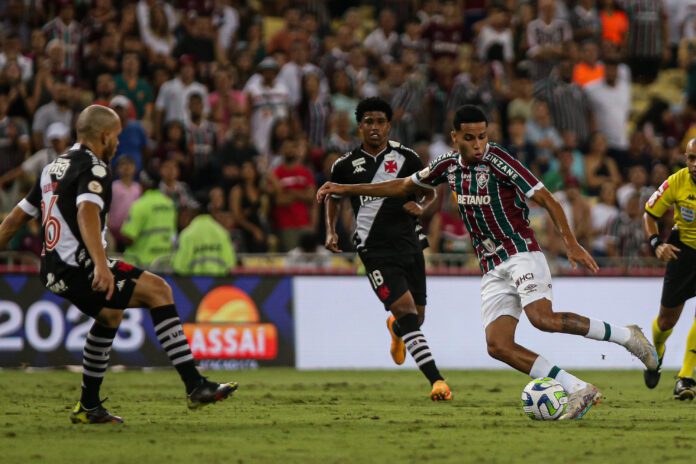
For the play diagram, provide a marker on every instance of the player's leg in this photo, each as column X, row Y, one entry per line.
column 153, row 292
column 500, row 341
column 661, row 330
column 685, row 388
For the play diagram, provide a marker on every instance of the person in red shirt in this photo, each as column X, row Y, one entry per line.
column 292, row 183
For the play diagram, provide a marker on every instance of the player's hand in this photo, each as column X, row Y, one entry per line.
column 413, row 208
column 103, row 281
column 666, row 252
column 332, row 242
column 578, row 255
column 329, row 188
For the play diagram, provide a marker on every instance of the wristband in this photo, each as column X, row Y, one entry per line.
column 655, row 242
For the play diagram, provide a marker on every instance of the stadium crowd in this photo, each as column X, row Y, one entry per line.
column 236, row 110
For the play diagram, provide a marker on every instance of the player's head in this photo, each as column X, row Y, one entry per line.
column 374, row 121
column 691, row 158
column 470, row 132
column 98, row 127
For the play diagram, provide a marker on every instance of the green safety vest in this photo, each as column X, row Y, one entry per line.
column 151, row 224
column 204, row 248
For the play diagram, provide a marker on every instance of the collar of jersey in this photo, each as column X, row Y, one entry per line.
column 462, row 165
column 386, row 149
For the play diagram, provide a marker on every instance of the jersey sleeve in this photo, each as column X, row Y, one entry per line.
column 509, row 168
column 337, row 175
column 663, row 198
column 435, row 173
column 93, row 185
column 413, row 164
column 31, row 204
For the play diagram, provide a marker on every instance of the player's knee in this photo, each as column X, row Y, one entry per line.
column 110, row 318
column 542, row 320
column 157, row 291
column 498, row 349
column 401, row 310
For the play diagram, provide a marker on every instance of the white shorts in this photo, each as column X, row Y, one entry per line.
column 520, row 280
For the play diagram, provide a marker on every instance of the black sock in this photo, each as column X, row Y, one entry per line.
column 170, row 334
column 95, row 361
column 417, row 345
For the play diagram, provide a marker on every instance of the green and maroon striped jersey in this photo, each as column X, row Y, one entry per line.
column 490, row 195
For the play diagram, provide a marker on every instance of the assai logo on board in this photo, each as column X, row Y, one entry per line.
column 228, row 327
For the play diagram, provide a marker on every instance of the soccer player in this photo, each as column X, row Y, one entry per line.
column 679, row 285
column 490, row 187
column 73, row 196
column 388, row 237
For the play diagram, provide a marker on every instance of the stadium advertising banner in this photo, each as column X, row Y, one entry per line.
column 454, row 329
column 237, row 322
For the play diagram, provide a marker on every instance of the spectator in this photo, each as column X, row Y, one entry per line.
column 149, row 230
column 648, row 45
column 599, row 168
column 99, row 15
column 125, row 192
column 200, row 42
column 15, row 22
column 135, row 88
column 12, row 52
column 236, row 150
column 545, row 138
column 104, row 58
column 522, row 96
column 445, row 33
column 291, row 32
column 173, row 97
column 269, row 101
column 293, row 73
column 65, row 28
column 58, row 110
column 614, row 24
column 343, row 96
column 294, row 211
column 21, row 103
column 627, row 244
column 687, row 61
column 314, row 110
column 560, row 170
column 249, row 205
column 570, row 108
column 132, row 140
column 517, row 144
column 341, row 138
column 226, row 23
column 494, row 42
column 577, row 210
column 547, row 38
column 172, row 147
column 201, row 141
column 637, row 183
column 604, row 213
column 611, row 102
column 144, row 14
column 589, row 69
column 179, row 192
column 585, row 21
column 226, row 100
column 204, row 248
column 157, row 36
column 381, row 43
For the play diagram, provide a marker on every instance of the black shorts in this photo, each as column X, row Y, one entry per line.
column 392, row 276
column 680, row 277
column 76, row 287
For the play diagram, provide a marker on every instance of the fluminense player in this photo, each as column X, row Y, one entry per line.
column 72, row 197
column 679, row 252
column 388, row 237
column 491, row 188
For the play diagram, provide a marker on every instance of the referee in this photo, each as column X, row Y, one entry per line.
column 679, row 252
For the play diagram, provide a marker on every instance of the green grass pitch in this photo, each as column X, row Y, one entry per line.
column 287, row 416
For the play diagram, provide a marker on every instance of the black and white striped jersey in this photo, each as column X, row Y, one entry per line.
column 383, row 227
column 72, row 178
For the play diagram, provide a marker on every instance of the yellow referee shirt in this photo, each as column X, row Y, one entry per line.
column 678, row 190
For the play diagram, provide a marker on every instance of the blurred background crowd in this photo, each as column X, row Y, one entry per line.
column 233, row 111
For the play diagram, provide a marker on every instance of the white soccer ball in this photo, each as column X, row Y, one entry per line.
column 544, row 399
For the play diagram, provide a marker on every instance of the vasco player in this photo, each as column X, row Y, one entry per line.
column 491, row 188
column 73, row 196
column 387, row 235
column 679, row 285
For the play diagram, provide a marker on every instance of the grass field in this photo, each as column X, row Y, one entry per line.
column 286, row 416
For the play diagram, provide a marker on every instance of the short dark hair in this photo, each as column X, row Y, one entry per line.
column 373, row 104
column 468, row 114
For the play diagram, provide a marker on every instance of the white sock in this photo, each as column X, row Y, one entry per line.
column 543, row 368
column 600, row 330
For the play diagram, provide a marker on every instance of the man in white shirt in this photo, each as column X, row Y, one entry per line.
column 172, row 99
column 611, row 103
column 382, row 41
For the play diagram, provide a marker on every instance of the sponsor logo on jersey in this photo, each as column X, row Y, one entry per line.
column 451, row 168
column 502, row 166
column 390, row 167
column 482, row 179
column 482, row 168
column 390, row 156
column 524, row 278
column 383, row 292
column 423, row 173
column 120, row 285
column 658, row 193
column 99, row 170
column 357, row 164
column 531, row 288
column 475, row 200
column 55, row 287
column 58, row 167
column 94, row 187
column 365, row 199
column 687, row 214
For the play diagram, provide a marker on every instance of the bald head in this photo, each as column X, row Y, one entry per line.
column 98, row 127
column 691, row 146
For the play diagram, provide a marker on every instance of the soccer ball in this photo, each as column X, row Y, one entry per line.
column 544, row 399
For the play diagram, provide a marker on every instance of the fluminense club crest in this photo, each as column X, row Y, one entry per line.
column 482, row 179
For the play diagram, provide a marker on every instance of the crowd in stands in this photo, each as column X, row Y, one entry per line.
column 233, row 111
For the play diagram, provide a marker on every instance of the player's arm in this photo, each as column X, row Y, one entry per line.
column 576, row 253
column 426, row 200
column 89, row 222
column 331, row 212
column 663, row 251
column 11, row 224
column 402, row 187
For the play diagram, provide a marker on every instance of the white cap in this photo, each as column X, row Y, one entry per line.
column 57, row 130
column 120, row 100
